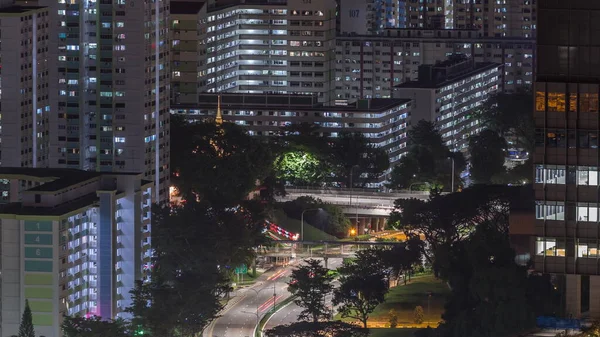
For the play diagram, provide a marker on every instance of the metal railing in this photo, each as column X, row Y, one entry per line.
column 354, row 191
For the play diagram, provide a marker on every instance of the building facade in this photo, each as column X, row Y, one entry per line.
column 270, row 46
column 24, row 86
column 384, row 122
column 448, row 93
column 371, row 66
column 73, row 243
column 566, row 154
column 110, row 101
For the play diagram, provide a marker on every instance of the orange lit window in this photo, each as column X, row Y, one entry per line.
column 540, row 101
column 556, row 102
column 572, row 102
column 593, row 102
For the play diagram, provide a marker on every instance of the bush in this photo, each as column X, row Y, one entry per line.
column 419, row 314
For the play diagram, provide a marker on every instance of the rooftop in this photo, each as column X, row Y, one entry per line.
column 18, row 9
column 54, row 179
column 185, row 7
column 478, row 68
column 17, row 208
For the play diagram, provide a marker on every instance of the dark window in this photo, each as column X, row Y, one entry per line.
column 38, row 198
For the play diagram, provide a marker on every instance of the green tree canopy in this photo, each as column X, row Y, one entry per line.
column 331, row 219
column 428, row 161
column 510, row 115
column 488, row 154
column 94, row 326
column 352, row 155
column 26, row 327
column 219, row 163
column 363, row 286
column 310, row 283
column 301, row 168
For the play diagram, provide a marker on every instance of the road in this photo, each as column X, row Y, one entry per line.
column 239, row 317
column 289, row 314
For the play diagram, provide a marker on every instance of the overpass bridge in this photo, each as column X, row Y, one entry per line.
column 282, row 251
column 367, row 209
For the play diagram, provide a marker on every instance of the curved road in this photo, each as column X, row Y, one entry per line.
column 239, row 318
column 289, row 314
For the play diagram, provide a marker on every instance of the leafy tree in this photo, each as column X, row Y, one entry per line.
column 208, row 159
column 488, row 154
column 363, row 286
column 419, row 314
column 510, row 116
column 311, row 282
column 489, row 290
column 393, row 318
column 400, row 259
column 353, row 155
column 317, row 329
column 300, row 168
column 26, row 327
column 446, row 219
column 94, row 326
column 195, row 248
column 332, row 219
column 428, row 161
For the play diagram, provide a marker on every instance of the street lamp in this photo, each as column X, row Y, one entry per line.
column 302, row 221
column 452, row 157
column 257, row 302
column 351, row 184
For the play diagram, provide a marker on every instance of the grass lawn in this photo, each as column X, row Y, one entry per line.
column 404, row 299
column 386, row 332
column 293, row 225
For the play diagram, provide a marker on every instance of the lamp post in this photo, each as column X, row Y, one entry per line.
column 452, row 157
column 351, row 186
column 302, row 221
column 257, row 302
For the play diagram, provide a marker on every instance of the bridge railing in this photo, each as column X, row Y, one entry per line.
column 355, row 191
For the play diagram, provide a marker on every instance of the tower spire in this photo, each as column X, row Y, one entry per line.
column 219, row 117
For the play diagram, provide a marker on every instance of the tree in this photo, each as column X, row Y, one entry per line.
column 331, row 219
column 393, row 318
column 93, row 327
column 311, row 283
column 353, row 155
column 400, row 259
column 446, row 219
column 300, row 168
column 317, row 329
column 428, row 161
column 363, row 286
column 26, row 327
column 488, row 154
column 209, row 158
column 510, row 116
column 419, row 314
column 196, row 247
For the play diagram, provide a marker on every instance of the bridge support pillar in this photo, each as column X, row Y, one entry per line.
column 361, row 226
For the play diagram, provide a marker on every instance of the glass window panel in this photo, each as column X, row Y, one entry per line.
column 583, row 176
column 584, row 102
column 582, row 249
column 556, row 102
column 584, row 140
column 540, row 101
column 593, row 138
column 582, row 212
column 593, row 102
column 572, row 141
column 539, row 174
column 545, row 246
column 571, row 175
column 573, row 102
column 560, row 248
column 593, row 213
column 593, row 174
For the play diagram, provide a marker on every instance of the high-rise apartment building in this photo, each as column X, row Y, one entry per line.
column 110, row 102
column 270, row 46
column 566, row 156
column 448, row 94
column 73, row 243
column 370, row 66
column 506, row 18
column 25, row 86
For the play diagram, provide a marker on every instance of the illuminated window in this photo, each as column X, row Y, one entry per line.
column 587, row 248
column 176, row 74
column 550, row 247
column 556, row 101
column 588, row 102
column 540, row 101
column 572, row 102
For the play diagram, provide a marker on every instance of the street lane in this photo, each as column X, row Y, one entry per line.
column 289, row 314
column 240, row 319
